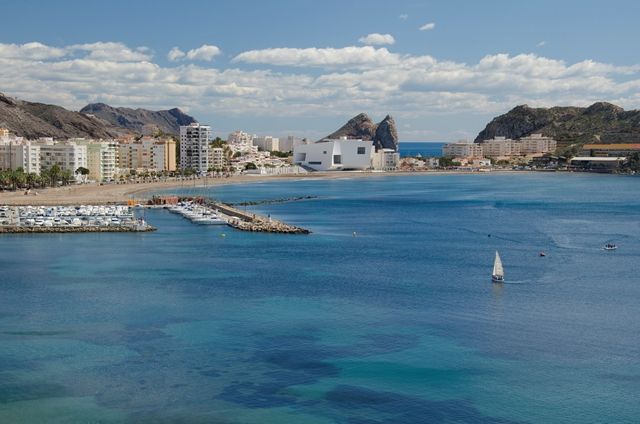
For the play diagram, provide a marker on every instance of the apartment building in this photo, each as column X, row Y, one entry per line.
column 18, row 153
column 194, row 147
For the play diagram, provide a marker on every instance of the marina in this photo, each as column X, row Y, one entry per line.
column 83, row 218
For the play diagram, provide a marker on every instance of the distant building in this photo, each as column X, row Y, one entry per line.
column 332, row 155
column 462, row 149
column 287, row 145
column 194, row 147
column 537, row 143
column 240, row 137
column 217, row 159
column 385, row 160
column 498, row 147
column 615, row 150
column 267, row 143
column 597, row 164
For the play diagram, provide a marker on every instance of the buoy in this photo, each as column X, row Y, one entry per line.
column 354, row 234
column 223, row 235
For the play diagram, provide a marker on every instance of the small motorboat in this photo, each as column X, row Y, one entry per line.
column 609, row 246
column 542, row 254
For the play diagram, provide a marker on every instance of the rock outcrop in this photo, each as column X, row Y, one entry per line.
column 140, row 121
column 601, row 122
column 384, row 134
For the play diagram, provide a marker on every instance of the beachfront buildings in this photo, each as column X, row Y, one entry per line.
column 194, row 147
column 148, row 154
column 610, row 150
column 501, row 147
column 19, row 153
column 217, row 158
column 101, row 158
column 385, row 160
column 66, row 154
column 462, row 149
column 332, row 154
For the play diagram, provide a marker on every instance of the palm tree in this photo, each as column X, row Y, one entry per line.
column 54, row 174
column 66, row 176
column 18, row 178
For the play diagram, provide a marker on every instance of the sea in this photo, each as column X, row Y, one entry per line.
column 384, row 314
column 424, row 149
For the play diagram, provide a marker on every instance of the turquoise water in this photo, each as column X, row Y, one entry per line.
column 399, row 324
column 415, row 148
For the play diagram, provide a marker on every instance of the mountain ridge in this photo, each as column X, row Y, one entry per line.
column 383, row 134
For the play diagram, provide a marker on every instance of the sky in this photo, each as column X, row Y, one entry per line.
column 442, row 69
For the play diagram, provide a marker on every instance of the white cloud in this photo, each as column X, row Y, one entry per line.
column 346, row 56
column 328, row 82
column 428, row 26
column 403, row 16
column 377, row 39
column 175, row 54
column 541, row 43
column 205, row 53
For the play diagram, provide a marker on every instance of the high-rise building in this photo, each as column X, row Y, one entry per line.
column 101, row 158
column 194, row 147
column 148, row 153
column 19, row 154
column 67, row 155
column 267, row 143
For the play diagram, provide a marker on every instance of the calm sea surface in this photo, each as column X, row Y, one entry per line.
column 412, row 148
column 399, row 324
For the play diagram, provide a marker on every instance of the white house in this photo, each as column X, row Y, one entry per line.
column 334, row 155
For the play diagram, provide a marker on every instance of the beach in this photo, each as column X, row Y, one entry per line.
column 121, row 193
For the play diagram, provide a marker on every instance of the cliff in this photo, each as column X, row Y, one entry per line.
column 383, row 134
column 601, row 122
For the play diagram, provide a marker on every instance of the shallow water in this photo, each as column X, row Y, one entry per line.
column 398, row 324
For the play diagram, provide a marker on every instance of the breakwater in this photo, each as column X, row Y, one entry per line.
column 246, row 221
column 60, row 230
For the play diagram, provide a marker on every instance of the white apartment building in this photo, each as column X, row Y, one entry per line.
column 385, row 160
column 17, row 153
column 101, row 158
column 498, row 147
column 240, row 137
column 194, row 147
column 537, row 143
column 67, row 155
column 286, row 145
column 462, row 149
column 332, row 155
column 267, row 143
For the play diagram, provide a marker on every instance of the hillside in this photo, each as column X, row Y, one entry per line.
column 140, row 121
column 601, row 122
column 33, row 120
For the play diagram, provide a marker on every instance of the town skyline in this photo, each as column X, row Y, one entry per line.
column 284, row 68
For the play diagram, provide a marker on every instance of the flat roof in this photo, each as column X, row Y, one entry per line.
column 598, row 159
column 616, row 146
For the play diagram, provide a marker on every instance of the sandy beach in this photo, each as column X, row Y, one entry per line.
column 121, row 193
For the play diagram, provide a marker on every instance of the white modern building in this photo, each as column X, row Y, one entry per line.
column 333, row 155
column 194, row 147
column 101, row 158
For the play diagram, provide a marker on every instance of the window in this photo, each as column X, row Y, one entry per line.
column 337, row 159
column 315, row 163
column 361, row 150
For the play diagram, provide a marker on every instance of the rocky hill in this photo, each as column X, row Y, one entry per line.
column 33, row 120
column 383, row 134
column 140, row 121
column 601, row 122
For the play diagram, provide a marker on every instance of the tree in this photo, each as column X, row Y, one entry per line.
column 66, row 176
column 18, row 178
column 82, row 171
column 218, row 142
column 53, row 174
column 250, row 165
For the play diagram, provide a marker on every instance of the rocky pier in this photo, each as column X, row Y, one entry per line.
column 245, row 221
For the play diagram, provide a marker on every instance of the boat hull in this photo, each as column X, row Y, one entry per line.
column 497, row 279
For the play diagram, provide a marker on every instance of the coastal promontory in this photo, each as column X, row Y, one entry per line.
column 383, row 134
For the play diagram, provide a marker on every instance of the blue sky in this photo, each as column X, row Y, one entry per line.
column 305, row 67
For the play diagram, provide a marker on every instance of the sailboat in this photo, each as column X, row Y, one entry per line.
column 497, row 276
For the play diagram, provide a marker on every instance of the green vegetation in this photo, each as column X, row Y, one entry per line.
column 446, row 162
column 633, row 163
column 18, row 179
column 279, row 154
column 250, row 165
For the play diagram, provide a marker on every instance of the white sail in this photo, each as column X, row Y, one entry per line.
column 497, row 266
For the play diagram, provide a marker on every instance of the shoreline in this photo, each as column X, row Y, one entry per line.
column 96, row 194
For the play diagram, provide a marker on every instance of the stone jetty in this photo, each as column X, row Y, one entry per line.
column 86, row 229
column 253, row 222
